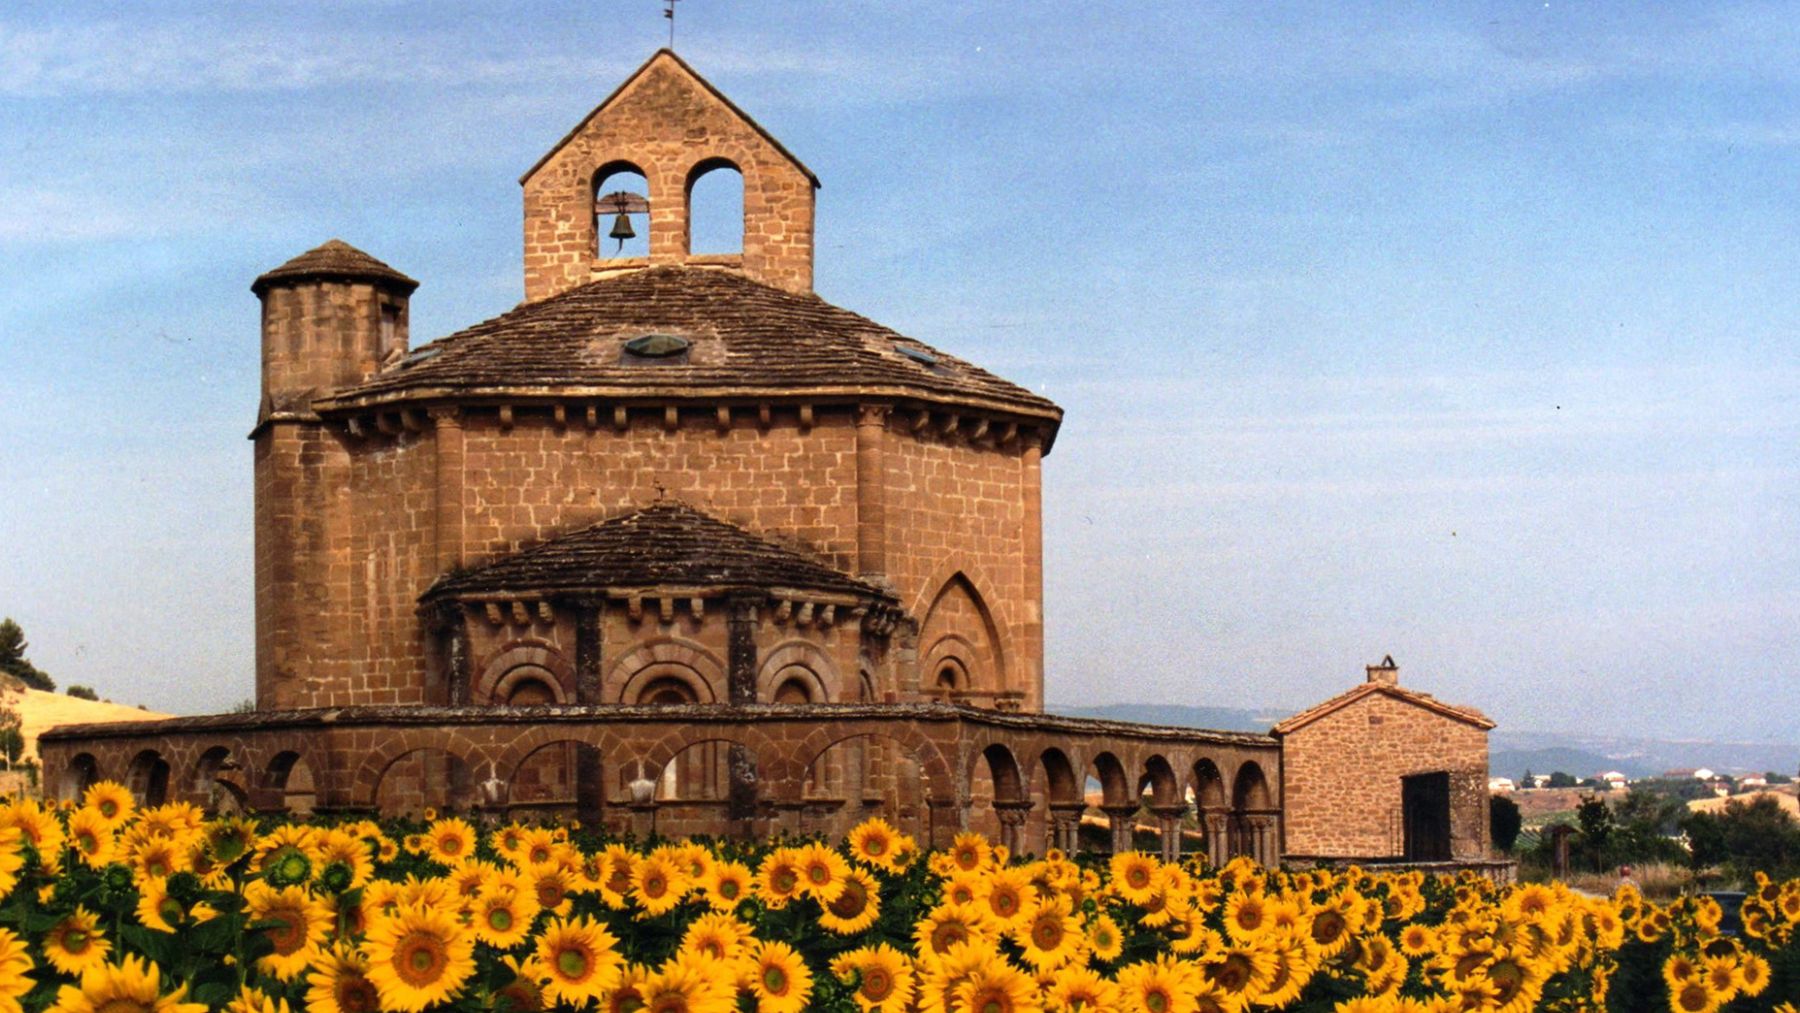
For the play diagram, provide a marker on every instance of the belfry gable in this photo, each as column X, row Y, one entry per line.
column 633, row 163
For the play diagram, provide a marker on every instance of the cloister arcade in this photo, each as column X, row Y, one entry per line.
column 1029, row 781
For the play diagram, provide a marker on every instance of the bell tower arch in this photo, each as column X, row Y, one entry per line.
column 673, row 126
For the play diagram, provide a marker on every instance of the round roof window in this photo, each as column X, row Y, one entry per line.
column 657, row 346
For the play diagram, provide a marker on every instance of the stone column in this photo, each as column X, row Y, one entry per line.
column 1065, row 825
column 453, row 623
column 1123, row 818
column 589, row 650
column 1168, row 822
column 740, row 680
column 1012, row 823
column 871, row 491
column 447, row 430
column 1218, row 830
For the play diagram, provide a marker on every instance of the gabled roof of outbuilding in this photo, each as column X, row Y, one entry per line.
column 750, row 341
column 337, row 260
column 669, row 55
column 667, row 545
column 1467, row 715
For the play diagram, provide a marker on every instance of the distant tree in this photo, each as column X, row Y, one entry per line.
column 81, row 692
column 1754, row 836
column 244, row 706
column 12, row 739
column 1529, row 780
column 1504, row 821
column 1593, row 783
column 1777, row 777
column 1595, row 818
column 1559, row 779
column 13, row 661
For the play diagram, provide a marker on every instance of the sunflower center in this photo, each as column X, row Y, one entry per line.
column 287, row 933
column 1138, row 877
column 1156, row 1001
column 655, row 886
column 775, row 980
column 122, row 1005
column 356, row 994
column 875, row 846
column 1047, row 933
column 549, row 894
column 1005, row 902
column 76, row 940
column 420, row 958
column 993, row 1006
column 819, row 874
column 786, row 880
column 851, row 902
column 728, row 889
column 500, row 919
column 1233, row 974
column 876, row 984
column 572, row 963
column 948, row 935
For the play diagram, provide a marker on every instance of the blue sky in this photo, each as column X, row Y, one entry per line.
column 1461, row 332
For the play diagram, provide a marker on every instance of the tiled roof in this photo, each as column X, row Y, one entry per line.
column 664, row 545
column 748, row 340
column 1468, row 715
column 334, row 259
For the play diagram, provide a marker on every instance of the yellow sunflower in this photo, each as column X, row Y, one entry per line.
column 111, row 800
column 998, row 987
column 91, row 835
column 39, row 826
column 253, row 1000
column 970, row 852
column 134, row 985
column 1240, row 972
column 1692, row 997
column 1080, row 990
column 822, row 872
column 301, row 923
column 945, row 927
column 15, row 961
column 1007, row 896
column 1247, row 916
column 502, row 916
column 778, row 879
column 714, row 936
column 580, row 960
column 550, row 885
column 872, row 843
column 881, row 976
column 450, row 841
column 339, row 847
column 856, row 906
column 1164, row 985
column 1050, row 937
column 1105, row 939
column 615, row 876
column 339, row 983
column 657, row 885
column 1135, row 876
column 75, row 944
column 156, row 909
column 418, row 957
column 523, row 990
column 779, row 978
column 686, row 988
column 727, row 885
column 537, row 847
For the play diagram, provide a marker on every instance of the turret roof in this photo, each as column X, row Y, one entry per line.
column 333, row 259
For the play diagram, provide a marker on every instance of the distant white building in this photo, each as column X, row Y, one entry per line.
column 1753, row 781
column 1501, row 784
column 1614, row 779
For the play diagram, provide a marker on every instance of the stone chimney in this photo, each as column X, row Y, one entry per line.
column 1386, row 673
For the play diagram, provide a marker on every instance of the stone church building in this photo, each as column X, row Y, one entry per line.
column 677, row 544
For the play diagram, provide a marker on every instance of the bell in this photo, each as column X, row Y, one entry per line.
column 621, row 229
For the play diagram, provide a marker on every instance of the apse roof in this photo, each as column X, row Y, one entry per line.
column 333, row 259
column 745, row 339
column 667, row 545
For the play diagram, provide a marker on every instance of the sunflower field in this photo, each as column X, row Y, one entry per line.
column 110, row 908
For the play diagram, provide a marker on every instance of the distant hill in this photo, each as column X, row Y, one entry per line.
column 1511, row 753
column 1218, row 719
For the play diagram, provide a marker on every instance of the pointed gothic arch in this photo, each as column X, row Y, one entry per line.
column 960, row 637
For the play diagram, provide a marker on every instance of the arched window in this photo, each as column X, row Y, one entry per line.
column 621, row 203
column 793, row 691
column 530, row 691
column 715, row 199
column 666, row 690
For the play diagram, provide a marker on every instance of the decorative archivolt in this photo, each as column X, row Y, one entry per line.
column 802, row 660
column 667, row 656
column 520, row 660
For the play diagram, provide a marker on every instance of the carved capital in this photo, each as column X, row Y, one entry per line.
column 446, row 416
column 872, row 415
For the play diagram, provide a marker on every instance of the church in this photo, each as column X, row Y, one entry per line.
column 678, row 546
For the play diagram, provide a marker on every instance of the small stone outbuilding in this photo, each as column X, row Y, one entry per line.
column 1383, row 772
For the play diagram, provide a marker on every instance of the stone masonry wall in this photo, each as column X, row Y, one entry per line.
column 1341, row 778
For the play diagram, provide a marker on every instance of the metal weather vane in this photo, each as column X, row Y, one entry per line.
column 669, row 13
